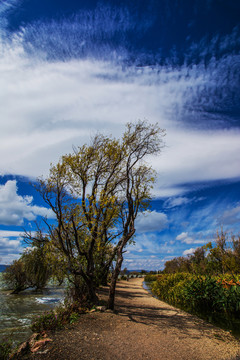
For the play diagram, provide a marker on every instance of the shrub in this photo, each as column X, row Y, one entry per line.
column 123, row 277
column 74, row 317
column 47, row 321
column 150, row 278
column 170, row 287
column 5, row 349
column 60, row 317
column 202, row 295
column 15, row 276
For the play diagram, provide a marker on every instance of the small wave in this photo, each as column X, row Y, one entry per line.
column 25, row 321
column 47, row 300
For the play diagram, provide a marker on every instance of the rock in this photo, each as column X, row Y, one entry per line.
column 101, row 308
column 33, row 344
column 38, row 344
column 33, row 339
column 21, row 351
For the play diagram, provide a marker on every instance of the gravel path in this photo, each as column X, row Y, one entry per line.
column 142, row 328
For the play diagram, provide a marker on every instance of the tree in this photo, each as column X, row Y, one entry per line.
column 139, row 141
column 235, row 240
column 178, row 264
column 30, row 270
column 220, row 257
column 15, row 277
column 225, row 255
column 96, row 193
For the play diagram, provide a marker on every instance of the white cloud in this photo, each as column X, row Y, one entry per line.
column 180, row 200
column 151, row 221
column 15, row 208
column 198, row 238
column 144, row 264
column 189, row 251
column 51, row 106
column 185, row 238
column 148, row 245
column 197, row 156
column 7, row 245
column 10, row 249
column 10, row 233
column 177, row 201
column 182, row 236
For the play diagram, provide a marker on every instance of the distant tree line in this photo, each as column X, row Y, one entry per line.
column 219, row 257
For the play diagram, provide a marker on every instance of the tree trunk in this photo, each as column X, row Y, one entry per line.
column 116, row 272
column 18, row 289
column 92, row 296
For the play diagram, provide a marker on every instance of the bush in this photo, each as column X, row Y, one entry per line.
column 74, row 317
column 202, row 295
column 57, row 319
column 205, row 295
column 5, row 349
column 170, row 287
column 150, row 278
column 123, row 277
column 47, row 321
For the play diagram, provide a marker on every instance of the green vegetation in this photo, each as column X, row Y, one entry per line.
column 6, row 347
column 150, row 277
column 220, row 257
column 210, row 297
column 33, row 269
column 61, row 316
column 47, row 321
column 205, row 283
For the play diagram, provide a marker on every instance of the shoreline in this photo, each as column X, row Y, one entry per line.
column 141, row 327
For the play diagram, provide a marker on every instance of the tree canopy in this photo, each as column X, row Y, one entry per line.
column 96, row 193
column 218, row 257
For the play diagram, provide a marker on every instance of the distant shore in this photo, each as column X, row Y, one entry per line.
column 3, row 267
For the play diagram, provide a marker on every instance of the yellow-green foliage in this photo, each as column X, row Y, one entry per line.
column 200, row 294
column 169, row 287
column 150, row 277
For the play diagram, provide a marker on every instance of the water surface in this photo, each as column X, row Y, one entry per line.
column 17, row 311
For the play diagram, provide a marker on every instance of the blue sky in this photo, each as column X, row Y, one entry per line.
column 71, row 68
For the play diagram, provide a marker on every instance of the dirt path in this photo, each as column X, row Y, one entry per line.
column 143, row 328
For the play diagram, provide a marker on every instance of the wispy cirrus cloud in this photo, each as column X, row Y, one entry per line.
column 61, row 84
column 173, row 202
column 197, row 238
column 52, row 106
column 230, row 216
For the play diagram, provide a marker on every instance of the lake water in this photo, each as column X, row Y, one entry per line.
column 17, row 311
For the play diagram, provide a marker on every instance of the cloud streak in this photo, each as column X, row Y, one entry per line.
column 49, row 106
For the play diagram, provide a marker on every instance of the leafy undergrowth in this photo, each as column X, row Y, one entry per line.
column 58, row 318
column 6, row 347
column 216, row 299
